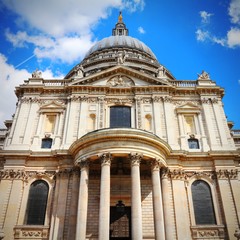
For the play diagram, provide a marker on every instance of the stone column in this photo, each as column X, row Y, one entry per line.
column 104, row 211
column 157, row 201
column 169, row 214
column 136, row 196
column 82, row 201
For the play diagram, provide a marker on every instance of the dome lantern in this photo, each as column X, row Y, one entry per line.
column 120, row 28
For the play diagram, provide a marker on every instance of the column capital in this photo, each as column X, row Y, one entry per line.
column 135, row 158
column 156, row 165
column 83, row 162
column 105, row 158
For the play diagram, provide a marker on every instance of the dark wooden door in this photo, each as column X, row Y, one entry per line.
column 120, row 224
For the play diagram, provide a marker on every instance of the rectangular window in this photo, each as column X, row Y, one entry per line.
column 193, row 143
column 120, row 117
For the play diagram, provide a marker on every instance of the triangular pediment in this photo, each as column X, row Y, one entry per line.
column 119, row 76
column 52, row 106
column 188, row 107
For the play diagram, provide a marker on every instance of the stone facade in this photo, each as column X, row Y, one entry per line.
column 61, row 136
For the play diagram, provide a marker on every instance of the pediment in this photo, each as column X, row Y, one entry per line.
column 119, row 76
column 52, row 106
column 188, row 107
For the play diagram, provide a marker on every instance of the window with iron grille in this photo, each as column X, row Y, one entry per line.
column 120, row 116
column 37, row 203
column 202, row 203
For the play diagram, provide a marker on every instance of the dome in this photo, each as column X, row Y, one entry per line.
column 120, row 42
column 118, row 49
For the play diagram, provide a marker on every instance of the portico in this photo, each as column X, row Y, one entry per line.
column 125, row 166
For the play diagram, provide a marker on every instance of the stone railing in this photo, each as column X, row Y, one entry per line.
column 235, row 133
column 184, row 83
column 55, row 82
column 31, row 232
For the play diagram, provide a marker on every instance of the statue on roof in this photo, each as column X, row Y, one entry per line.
column 36, row 74
column 121, row 57
column 80, row 72
column 161, row 71
column 203, row 76
column 120, row 18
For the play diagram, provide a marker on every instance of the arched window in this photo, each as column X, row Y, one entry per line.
column 37, row 203
column 202, row 203
column 120, row 116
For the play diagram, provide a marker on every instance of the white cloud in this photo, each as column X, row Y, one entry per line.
column 10, row 78
column 233, row 37
column 133, row 5
column 64, row 28
column 234, row 11
column 202, row 35
column 141, row 30
column 61, row 17
column 205, row 16
column 66, row 49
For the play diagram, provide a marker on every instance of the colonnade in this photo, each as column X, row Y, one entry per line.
column 136, row 208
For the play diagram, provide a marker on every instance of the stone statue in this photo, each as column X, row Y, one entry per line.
column 80, row 72
column 161, row 71
column 120, row 81
column 203, row 76
column 36, row 74
column 121, row 58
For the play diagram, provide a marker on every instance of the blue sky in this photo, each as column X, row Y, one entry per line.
column 186, row 36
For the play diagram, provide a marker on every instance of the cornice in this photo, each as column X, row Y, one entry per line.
column 106, row 90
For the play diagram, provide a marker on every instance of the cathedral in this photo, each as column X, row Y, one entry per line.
column 119, row 149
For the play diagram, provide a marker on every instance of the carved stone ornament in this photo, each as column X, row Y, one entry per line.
column 227, row 174
column 80, row 72
column 180, row 174
column 211, row 232
column 84, row 163
column 31, row 232
column 24, row 175
column 237, row 234
column 120, row 101
column 106, row 158
column 68, row 172
column 204, row 76
column 155, row 165
column 135, row 158
column 121, row 57
column 37, row 74
column 161, row 72
column 120, row 81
